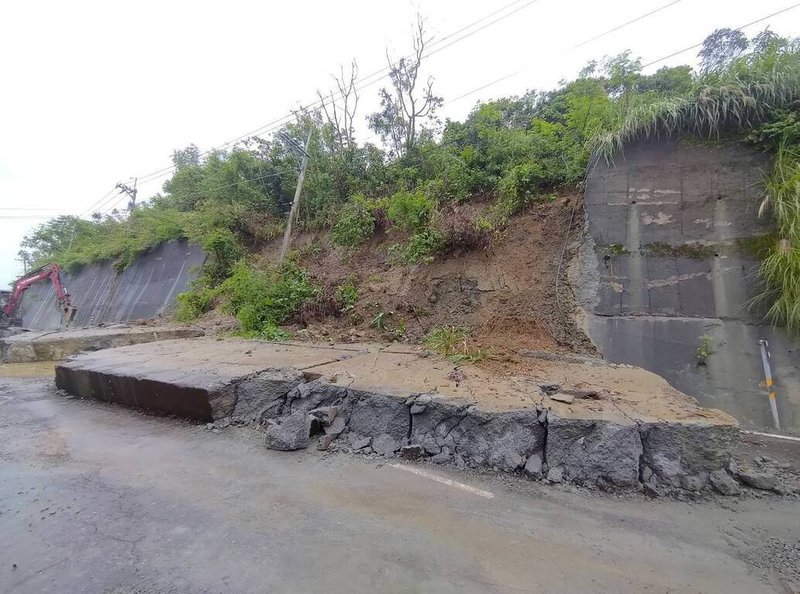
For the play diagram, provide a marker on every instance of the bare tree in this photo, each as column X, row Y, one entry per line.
column 340, row 116
column 409, row 104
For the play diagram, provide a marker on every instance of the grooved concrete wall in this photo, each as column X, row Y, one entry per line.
column 667, row 261
column 101, row 294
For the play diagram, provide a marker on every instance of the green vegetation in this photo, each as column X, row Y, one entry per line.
column 347, row 295
column 263, row 300
column 780, row 268
column 435, row 188
column 452, row 342
column 356, row 222
column 615, row 249
column 696, row 251
column 705, row 350
column 380, row 321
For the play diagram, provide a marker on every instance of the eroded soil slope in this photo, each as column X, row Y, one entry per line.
column 506, row 296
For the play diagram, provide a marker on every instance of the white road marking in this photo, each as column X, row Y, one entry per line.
column 775, row 435
column 444, row 480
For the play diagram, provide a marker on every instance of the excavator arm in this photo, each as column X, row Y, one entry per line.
column 52, row 272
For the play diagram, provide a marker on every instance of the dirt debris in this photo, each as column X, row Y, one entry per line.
column 504, row 296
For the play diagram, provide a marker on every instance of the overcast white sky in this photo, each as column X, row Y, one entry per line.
column 99, row 92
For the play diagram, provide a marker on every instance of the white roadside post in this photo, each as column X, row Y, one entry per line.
column 768, row 375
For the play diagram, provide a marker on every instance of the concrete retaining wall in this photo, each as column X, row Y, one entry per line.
column 143, row 290
column 668, row 260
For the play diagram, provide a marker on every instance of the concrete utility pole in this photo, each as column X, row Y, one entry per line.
column 130, row 192
column 296, row 202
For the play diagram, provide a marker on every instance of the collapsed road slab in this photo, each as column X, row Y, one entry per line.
column 29, row 347
column 624, row 428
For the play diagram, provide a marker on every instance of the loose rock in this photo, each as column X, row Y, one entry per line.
column 758, row 480
column 723, row 482
column 561, row 397
column 336, row 427
column 385, row 445
column 533, row 467
column 289, row 433
column 694, row 483
column 411, row 452
column 360, row 444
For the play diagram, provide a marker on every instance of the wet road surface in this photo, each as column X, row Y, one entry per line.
column 97, row 498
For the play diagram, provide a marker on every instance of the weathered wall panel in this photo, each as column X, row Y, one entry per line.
column 666, row 263
column 101, row 294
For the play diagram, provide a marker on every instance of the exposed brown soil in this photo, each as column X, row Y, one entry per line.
column 504, row 296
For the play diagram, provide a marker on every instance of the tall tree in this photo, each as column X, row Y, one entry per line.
column 720, row 49
column 409, row 104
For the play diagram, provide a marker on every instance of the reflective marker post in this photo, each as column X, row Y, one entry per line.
column 768, row 375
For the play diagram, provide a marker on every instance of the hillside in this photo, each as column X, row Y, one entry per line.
column 502, row 296
column 449, row 233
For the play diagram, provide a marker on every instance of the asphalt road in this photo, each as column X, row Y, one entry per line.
column 96, row 498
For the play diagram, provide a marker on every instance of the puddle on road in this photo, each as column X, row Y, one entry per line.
column 38, row 369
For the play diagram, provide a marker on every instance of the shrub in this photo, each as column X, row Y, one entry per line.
column 409, row 210
column 195, row 302
column 421, row 247
column 705, row 350
column 263, row 300
column 272, row 332
column 347, row 295
column 356, row 223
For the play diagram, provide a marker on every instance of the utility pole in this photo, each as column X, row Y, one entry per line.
column 131, row 192
column 296, row 202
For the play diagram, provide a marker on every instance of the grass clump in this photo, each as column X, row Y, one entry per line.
column 452, row 342
column 710, row 112
column 780, row 269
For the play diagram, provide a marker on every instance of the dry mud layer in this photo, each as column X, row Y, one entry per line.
column 576, row 420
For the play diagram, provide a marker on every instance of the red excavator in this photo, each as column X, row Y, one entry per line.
column 50, row 271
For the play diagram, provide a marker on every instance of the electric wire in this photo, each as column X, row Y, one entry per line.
column 362, row 83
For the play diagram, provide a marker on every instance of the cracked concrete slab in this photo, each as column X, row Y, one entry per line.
column 29, row 347
column 622, row 421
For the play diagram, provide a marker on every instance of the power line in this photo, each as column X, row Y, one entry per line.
column 25, row 217
column 280, row 121
column 96, row 204
column 366, row 82
column 581, row 44
column 30, row 209
column 510, row 75
column 362, row 83
column 750, row 24
column 625, row 24
column 236, row 183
